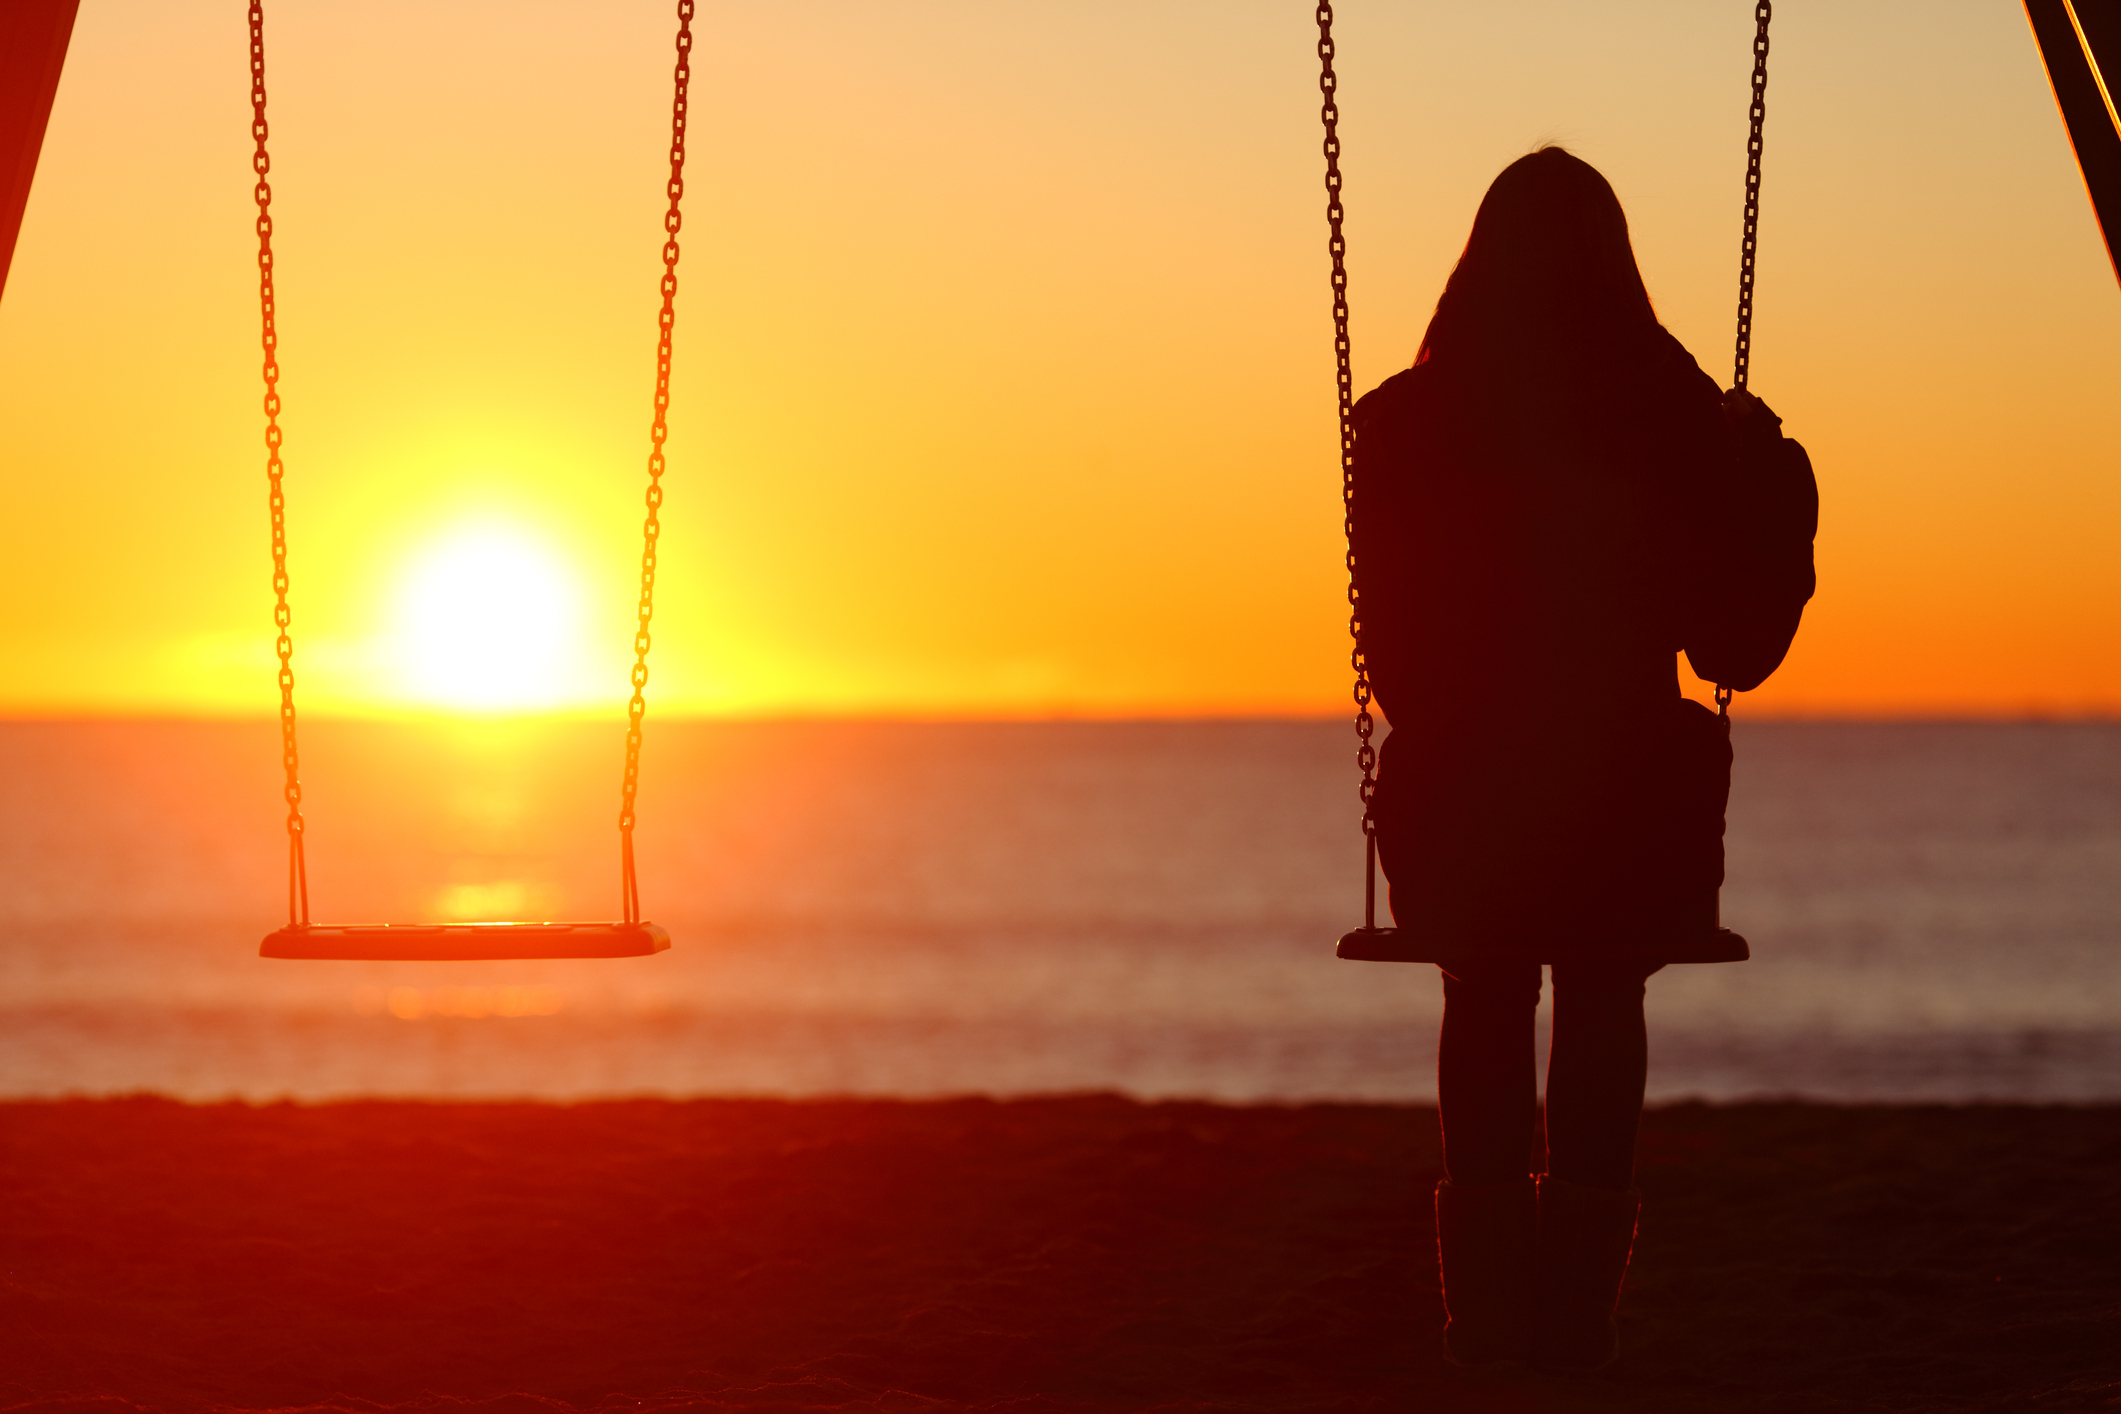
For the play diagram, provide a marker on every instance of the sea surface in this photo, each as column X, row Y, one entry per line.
column 924, row 909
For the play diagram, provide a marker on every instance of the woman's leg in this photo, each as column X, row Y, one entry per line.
column 1595, row 1073
column 1487, row 1094
column 1587, row 1203
column 1486, row 1210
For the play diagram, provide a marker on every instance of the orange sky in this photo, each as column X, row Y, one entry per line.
column 1004, row 377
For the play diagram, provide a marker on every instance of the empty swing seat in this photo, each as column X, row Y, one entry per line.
column 461, row 942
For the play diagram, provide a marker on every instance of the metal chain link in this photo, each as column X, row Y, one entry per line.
column 1762, row 12
column 1750, row 246
column 651, row 528
column 276, row 498
column 1336, row 245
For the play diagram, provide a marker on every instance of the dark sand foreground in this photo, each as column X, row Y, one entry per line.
column 1066, row 1254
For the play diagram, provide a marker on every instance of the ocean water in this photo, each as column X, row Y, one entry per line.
column 918, row 909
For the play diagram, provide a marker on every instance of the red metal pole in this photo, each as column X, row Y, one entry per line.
column 33, row 36
column 2080, row 42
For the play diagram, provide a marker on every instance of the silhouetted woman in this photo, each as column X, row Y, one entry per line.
column 1550, row 505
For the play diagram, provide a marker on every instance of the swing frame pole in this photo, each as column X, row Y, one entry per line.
column 33, row 39
column 2080, row 46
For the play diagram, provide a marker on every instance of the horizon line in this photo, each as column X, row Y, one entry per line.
column 1907, row 716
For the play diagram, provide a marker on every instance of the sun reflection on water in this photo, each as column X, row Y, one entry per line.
column 471, row 1003
column 498, row 900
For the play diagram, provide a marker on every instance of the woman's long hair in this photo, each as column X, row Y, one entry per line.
column 1547, row 286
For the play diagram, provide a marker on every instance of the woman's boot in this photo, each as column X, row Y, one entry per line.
column 1585, row 1237
column 1485, row 1235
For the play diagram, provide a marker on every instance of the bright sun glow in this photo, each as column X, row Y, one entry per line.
column 489, row 619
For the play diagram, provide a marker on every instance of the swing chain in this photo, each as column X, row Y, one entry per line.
column 1762, row 13
column 651, row 528
column 276, row 498
column 1750, row 246
column 1336, row 245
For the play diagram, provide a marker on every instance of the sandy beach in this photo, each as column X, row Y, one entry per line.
column 1077, row 1253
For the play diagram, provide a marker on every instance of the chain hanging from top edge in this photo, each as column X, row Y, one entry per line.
column 651, row 527
column 275, row 471
column 1336, row 245
column 1749, row 248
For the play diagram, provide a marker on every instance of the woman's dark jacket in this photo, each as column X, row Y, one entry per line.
column 1530, row 557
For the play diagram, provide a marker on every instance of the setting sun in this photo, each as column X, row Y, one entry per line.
column 489, row 619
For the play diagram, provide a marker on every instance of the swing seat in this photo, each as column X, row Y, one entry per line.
column 1404, row 945
column 461, row 942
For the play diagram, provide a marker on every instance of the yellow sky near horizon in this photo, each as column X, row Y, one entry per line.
column 1003, row 376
